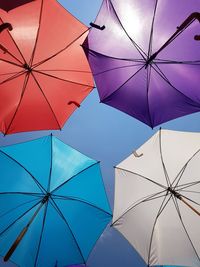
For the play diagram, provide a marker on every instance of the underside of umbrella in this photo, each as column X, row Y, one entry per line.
column 9, row 5
column 157, row 199
column 44, row 74
column 132, row 72
column 49, row 214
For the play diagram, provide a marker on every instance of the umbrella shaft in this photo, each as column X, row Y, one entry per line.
column 23, row 232
column 15, row 244
column 182, row 27
column 192, row 208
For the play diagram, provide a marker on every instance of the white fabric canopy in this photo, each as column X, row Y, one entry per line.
column 163, row 229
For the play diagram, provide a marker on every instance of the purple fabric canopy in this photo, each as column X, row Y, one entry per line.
column 133, row 71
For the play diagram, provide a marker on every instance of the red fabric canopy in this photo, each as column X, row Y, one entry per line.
column 44, row 74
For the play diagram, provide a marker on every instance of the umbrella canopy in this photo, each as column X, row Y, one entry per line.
column 44, row 73
column 157, row 199
column 9, row 5
column 142, row 64
column 50, row 215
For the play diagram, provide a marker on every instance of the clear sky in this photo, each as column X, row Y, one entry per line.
column 108, row 135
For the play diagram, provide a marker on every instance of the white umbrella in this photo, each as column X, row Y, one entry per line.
column 157, row 199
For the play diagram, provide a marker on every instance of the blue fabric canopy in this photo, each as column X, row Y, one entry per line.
column 66, row 188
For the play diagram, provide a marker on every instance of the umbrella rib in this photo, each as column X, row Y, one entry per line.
column 60, row 51
column 184, row 167
column 18, row 218
column 15, row 45
column 13, row 57
column 188, row 191
column 138, row 48
column 142, row 200
column 54, row 115
column 179, row 175
column 74, row 176
column 22, row 193
column 41, row 234
column 18, row 74
column 38, row 31
column 162, row 160
column 9, row 73
column 105, row 99
column 117, row 68
column 20, row 100
column 50, row 171
column 162, row 75
column 55, row 206
column 79, row 200
column 148, row 87
column 142, row 176
column 91, row 52
column 162, row 207
column 151, row 33
column 61, row 79
column 186, row 185
column 10, row 62
column 181, row 220
column 193, row 201
column 165, row 61
column 79, row 71
column 18, row 206
column 18, row 163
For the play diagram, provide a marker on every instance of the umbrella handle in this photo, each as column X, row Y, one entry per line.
column 5, row 26
column 180, row 197
column 23, row 232
column 192, row 208
column 137, row 155
column 101, row 28
column 15, row 244
column 75, row 103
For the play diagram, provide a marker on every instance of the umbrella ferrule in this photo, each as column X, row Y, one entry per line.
column 173, row 192
column 45, row 199
column 27, row 67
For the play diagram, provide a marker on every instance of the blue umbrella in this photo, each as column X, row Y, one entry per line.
column 53, row 204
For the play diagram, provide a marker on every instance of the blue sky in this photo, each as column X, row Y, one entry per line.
column 108, row 135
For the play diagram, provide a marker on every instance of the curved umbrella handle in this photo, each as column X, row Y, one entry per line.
column 15, row 244
column 5, row 26
column 101, row 28
column 137, row 155
column 75, row 103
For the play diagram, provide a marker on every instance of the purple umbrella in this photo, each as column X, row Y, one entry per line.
column 145, row 57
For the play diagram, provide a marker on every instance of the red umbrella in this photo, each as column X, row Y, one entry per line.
column 44, row 74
